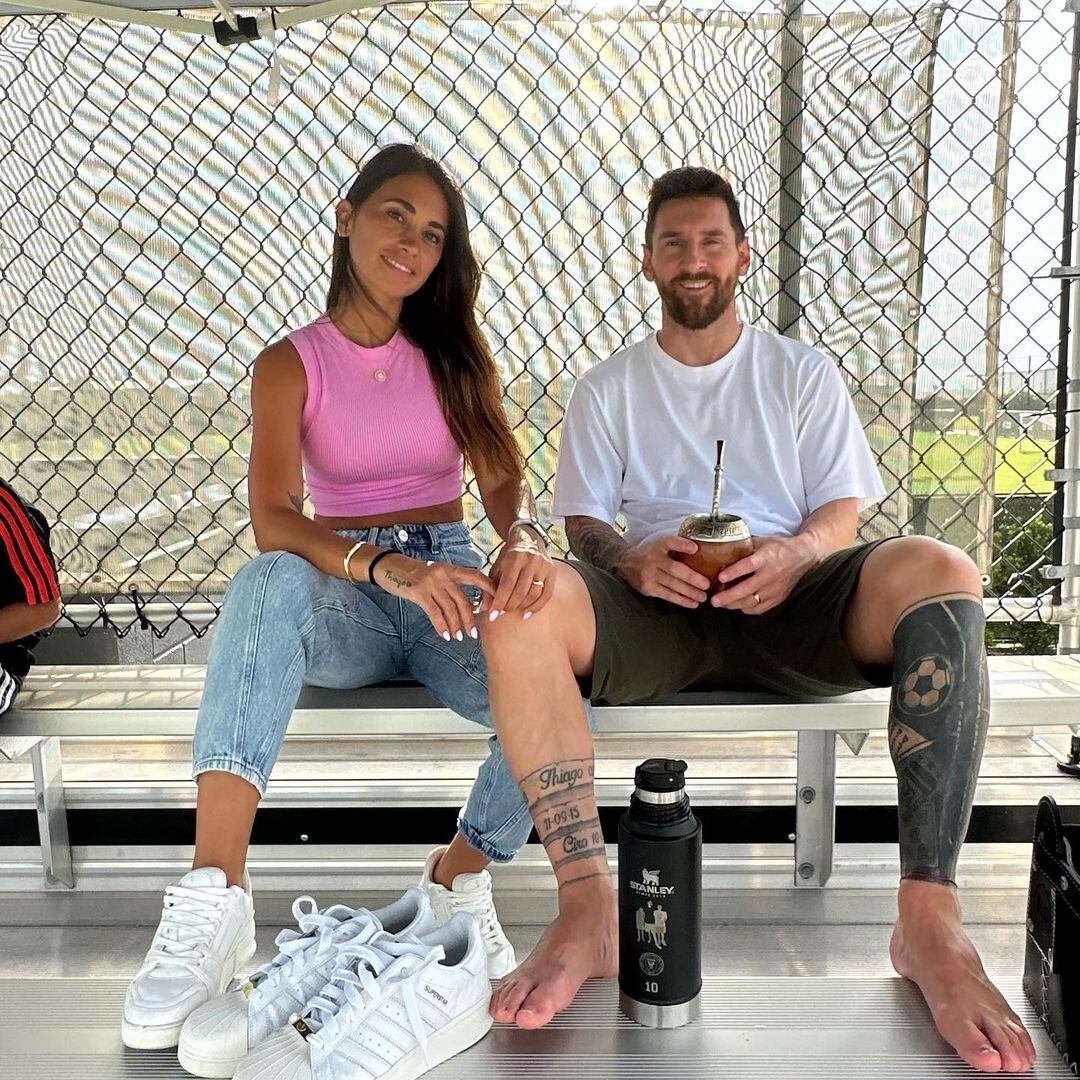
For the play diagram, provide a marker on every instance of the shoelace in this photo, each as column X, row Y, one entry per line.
column 481, row 905
column 354, row 987
column 189, row 920
column 317, row 931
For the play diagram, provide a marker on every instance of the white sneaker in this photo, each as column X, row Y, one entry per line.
column 471, row 893
column 217, row 1035
column 206, row 935
column 393, row 1008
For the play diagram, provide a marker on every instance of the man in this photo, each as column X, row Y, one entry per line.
column 808, row 612
column 29, row 594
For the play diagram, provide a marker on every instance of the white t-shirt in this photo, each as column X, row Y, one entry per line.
column 639, row 438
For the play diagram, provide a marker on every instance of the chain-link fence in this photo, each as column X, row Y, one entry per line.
column 900, row 166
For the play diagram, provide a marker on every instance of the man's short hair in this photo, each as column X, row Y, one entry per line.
column 692, row 182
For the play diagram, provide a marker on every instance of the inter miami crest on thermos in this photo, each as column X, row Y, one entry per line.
column 660, row 899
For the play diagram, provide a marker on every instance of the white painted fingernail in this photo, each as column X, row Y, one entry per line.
column 460, row 636
column 493, row 616
column 446, row 634
column 527, row 615
column 473, row 633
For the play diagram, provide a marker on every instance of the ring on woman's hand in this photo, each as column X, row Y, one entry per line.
column 757, row 598
column 538, row 582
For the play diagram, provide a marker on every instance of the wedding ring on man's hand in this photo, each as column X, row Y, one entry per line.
column 757, row 598
column 538, row 583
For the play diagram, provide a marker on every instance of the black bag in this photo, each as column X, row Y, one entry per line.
column 1052, row 957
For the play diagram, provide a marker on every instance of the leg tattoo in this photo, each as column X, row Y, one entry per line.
column 938, row 718
column 562, row 803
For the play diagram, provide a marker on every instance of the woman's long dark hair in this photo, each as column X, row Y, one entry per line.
column 440, row 317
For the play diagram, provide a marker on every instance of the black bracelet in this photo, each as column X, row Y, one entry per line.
column 371, row 565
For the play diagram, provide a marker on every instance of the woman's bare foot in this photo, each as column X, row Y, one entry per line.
column 930, row 948
column 582, row 943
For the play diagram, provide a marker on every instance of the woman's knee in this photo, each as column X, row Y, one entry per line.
column 273, row 576
column 265, row 617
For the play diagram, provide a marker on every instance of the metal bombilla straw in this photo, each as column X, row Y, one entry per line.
column 718, row 477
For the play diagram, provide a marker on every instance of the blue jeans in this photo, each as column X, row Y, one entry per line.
column 284, row 623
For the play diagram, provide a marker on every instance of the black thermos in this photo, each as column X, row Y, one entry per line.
column 660, row 899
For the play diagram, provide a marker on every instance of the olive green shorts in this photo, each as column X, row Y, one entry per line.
column 648, row 648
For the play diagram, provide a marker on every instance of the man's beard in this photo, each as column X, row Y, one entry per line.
column 696, row 312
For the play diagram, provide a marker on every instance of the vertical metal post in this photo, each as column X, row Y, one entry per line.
column 923, row 133
column 1067, row 496
column 52, row 815
column 789, row 308
column 1010, row 44
column 1069, row 635
column 815, row 807
column 1067, row 493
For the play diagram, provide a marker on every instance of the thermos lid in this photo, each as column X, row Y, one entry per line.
column 660, row 774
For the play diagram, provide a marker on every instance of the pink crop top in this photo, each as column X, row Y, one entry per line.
column 373, row 436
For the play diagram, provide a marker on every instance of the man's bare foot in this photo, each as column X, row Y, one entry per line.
column 582, row 943
column 930, row 948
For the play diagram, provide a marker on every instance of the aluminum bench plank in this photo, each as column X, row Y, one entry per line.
column 163, row 700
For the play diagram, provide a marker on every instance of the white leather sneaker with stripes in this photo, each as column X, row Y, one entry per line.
column 205, row 937
column 472, row 893
column 393, row 1009
column 217, row 1036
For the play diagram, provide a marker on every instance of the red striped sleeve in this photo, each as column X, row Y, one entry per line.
column 25, row 551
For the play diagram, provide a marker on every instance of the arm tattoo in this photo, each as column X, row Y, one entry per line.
column 397, row 579
column 297, row 501
column 562, row 803
column 938, row 718
column 594, row 542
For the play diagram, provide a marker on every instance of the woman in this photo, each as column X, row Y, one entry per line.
column 376, row 404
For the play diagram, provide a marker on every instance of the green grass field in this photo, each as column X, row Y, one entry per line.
column 948, row 464
column 952, row 464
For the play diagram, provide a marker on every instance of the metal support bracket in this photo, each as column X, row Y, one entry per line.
column 52, row 815
column 1071, row 764
column 1059, row 573
column 854, row 740
column 13, row 747
column 815, row 807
